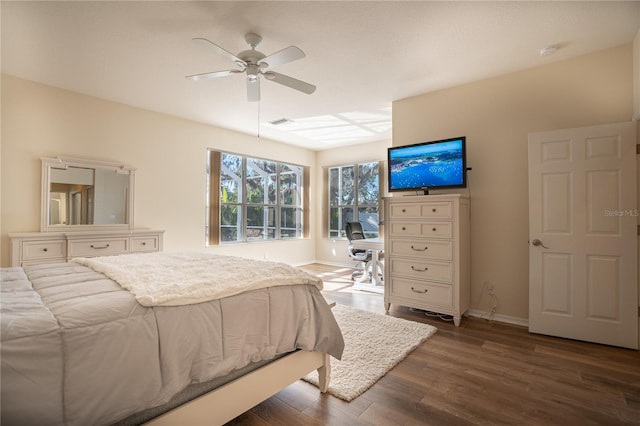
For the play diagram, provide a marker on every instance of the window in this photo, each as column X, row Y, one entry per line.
column 354, row 188
column 253, row 199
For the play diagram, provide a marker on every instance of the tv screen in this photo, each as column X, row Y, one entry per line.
column 424, row 166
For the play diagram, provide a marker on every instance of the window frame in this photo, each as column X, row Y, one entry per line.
column 214, row 204
column 356, row 205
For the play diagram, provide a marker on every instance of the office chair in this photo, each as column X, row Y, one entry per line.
column 354, row 232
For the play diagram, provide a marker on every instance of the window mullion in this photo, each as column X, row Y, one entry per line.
column 340, row 205
column 265, row 205
column 277, row 208
column 356, row 191
column 243, row 201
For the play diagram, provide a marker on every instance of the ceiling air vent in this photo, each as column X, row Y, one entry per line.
column 280, row 122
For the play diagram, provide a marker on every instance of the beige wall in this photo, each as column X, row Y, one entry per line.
column 496, row 115
column 169, row 154
column 636, row 117
column 331, row 250
column 636, row 77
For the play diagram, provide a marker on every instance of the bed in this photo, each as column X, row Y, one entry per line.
column 83, row 343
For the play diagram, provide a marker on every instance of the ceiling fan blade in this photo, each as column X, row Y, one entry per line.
column 253, row 90
column 219, row 50
column 288, row 54
column 290, row 82
column 214, row 74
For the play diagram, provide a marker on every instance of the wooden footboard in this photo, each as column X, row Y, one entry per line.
column 229, row 401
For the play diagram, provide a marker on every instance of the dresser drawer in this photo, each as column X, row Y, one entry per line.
column 433, row 210
column 432, row 293
column 41, row 250
column 98, row 247
column 426, row 249
column 419, row 269
column 427, row 229
column 142, row 244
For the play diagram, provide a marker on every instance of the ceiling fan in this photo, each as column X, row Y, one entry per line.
column 254, row 64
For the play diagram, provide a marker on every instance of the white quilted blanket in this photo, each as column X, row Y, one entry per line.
column 174, row 279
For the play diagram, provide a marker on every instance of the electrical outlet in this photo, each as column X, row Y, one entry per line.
column 489, row 286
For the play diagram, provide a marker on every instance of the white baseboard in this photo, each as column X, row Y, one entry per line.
column 524, row 322
column 324, row 262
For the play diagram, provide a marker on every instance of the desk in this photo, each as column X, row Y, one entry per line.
column 370, row 282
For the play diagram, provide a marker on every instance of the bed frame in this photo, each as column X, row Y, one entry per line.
column 229, row 401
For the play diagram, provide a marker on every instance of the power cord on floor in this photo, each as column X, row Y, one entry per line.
column 488, row 288
column 495, row 305
column 443, row 317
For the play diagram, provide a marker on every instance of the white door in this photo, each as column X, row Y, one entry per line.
column 583, row 234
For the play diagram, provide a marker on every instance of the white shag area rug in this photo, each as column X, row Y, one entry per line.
column 374, row 344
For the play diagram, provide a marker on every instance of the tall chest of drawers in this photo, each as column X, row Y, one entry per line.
column 426, row 244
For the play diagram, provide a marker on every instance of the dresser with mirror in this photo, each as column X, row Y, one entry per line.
column 87, row 210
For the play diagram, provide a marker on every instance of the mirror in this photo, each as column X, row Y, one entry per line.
column 81, row 194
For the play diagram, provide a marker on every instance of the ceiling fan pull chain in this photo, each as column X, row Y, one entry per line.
column 258, row 131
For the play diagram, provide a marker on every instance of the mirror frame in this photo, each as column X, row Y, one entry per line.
column 49, row 163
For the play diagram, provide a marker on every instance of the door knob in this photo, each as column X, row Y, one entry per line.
column 538, row 243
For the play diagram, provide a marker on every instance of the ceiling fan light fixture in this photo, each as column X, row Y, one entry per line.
column 252, row 72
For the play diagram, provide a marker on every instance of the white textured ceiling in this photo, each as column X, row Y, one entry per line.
column 361, row 55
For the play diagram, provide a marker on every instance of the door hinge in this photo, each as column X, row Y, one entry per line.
column 638, row 311
column 638, row 149
column 638, row 229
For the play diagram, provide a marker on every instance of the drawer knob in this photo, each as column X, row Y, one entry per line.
column 433, row 229
column 144, row 243
column 418, row 291
column 419, row 270
column 433, row 210
column 404, row 229
column 419, row 249
column 45, row 249
column 99, row 247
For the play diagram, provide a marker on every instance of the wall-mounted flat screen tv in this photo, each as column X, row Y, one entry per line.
column 425, row 166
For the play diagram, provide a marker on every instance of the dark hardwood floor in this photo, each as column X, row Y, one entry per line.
column 481, row 373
